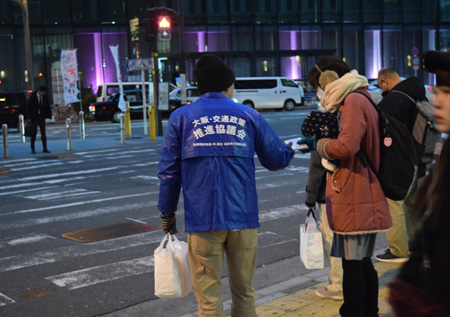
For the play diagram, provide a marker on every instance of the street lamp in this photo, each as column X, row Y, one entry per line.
column 26, row 28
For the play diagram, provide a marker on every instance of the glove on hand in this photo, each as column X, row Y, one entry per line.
column 169, row 224
column 310, row 142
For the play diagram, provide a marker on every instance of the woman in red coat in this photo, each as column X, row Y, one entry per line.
column 356, row 205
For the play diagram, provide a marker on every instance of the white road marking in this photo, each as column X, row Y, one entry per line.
column 103, row 273
column 282, row 212
column 63, row 253
column 31, row 238
column 41, row 177
column 135, row 220
column 76, row 215
column 5, row 300
column 23, row 168
column 26, row 190
column 78, row 203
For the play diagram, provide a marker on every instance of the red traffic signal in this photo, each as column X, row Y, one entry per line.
column 164, row 22
column 164, row 33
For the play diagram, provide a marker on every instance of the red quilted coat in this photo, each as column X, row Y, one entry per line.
column 355, row 201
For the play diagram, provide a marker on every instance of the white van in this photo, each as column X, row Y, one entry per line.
column 106, row 90
column 268, row 92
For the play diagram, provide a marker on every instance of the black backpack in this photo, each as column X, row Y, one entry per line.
column 424, row 133
column 397, row 156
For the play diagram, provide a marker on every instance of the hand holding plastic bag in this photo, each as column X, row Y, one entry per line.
column 172, row 271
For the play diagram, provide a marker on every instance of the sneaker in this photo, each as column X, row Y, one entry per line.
column 325, row 293
column 46, row 151
column 387, row 256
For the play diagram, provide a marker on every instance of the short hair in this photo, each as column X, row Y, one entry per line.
column 388, row 72
column 42, row 88
column 327, row 63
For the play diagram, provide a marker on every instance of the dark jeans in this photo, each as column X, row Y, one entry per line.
column 360, row 286
column 41, row 123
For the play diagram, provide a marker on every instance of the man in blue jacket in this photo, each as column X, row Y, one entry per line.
column 208, row 150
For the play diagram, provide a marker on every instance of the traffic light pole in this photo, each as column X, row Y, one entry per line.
column 155, row 79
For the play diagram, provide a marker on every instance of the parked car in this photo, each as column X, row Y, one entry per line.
column 110, row 109
column 268, row 92
column 12, row 104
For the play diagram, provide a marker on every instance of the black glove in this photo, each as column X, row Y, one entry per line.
column 169, row 224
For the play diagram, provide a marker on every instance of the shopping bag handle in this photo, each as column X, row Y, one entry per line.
column 169, row 237
column 310, row 211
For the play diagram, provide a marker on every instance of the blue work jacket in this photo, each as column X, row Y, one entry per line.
column 208, row 150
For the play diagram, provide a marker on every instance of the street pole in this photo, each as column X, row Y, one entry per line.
column 26, row 30
column 182, row 55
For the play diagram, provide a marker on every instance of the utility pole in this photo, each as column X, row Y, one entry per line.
column 26, row 30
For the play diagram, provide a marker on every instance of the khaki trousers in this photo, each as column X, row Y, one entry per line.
column 206, row 252
column 397, row 237
column 335, row 278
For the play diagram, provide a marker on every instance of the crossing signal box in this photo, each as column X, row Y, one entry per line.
column 164, row 32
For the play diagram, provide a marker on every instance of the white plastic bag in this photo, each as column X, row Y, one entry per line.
column 172, row 272
column 311, row 247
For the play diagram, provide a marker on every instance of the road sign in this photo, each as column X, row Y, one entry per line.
column 415, row 51
column 416, row 62
column 139, row 64
column 133, row 78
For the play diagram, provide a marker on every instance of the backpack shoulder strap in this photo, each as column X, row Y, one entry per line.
column 362, row 154
column 405, row 94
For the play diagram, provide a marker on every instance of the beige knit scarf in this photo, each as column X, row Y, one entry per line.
column 336, row 91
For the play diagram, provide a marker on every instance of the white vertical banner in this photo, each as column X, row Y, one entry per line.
column 69, row 73
column 115, row 53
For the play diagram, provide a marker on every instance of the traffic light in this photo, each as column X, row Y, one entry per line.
column 164, row 32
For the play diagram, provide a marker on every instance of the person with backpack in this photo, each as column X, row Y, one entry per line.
column 355, row 202
column 396, row 103
column 422, row 286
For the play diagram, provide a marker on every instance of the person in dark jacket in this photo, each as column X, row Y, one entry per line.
column 433, row 202
column 38, row 109
column 209, row 150
column 322, row 124
column 404, row 219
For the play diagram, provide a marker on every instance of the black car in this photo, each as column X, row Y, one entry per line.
column 12, row 104
column 109, row 110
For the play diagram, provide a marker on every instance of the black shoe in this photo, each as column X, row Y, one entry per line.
column 33, row 151
column 46, row 151
column 387, row 256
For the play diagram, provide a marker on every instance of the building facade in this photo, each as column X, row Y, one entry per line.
column 255, row 37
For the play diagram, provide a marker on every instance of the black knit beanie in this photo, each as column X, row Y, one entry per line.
column 213, row 74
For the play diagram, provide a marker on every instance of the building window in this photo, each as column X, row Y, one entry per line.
column 266, row 66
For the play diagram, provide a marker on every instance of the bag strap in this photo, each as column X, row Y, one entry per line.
column 362, row 154
column 406, row 95
column 310, row 211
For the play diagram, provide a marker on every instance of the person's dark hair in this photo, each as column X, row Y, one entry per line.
column 42, row 88
column 327, row 63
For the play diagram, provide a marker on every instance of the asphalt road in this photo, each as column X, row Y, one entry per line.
column 43, row 197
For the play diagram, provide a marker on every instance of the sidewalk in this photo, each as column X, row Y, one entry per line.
column 292, row 298
column 306, row 303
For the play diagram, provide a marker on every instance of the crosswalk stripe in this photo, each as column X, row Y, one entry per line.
column 78, row 203
column 30, row 238
column 103, row 273
column 63, row 253
column 5, row 300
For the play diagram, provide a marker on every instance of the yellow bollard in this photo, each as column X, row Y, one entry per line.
column 127, row 120
column 151, row 122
